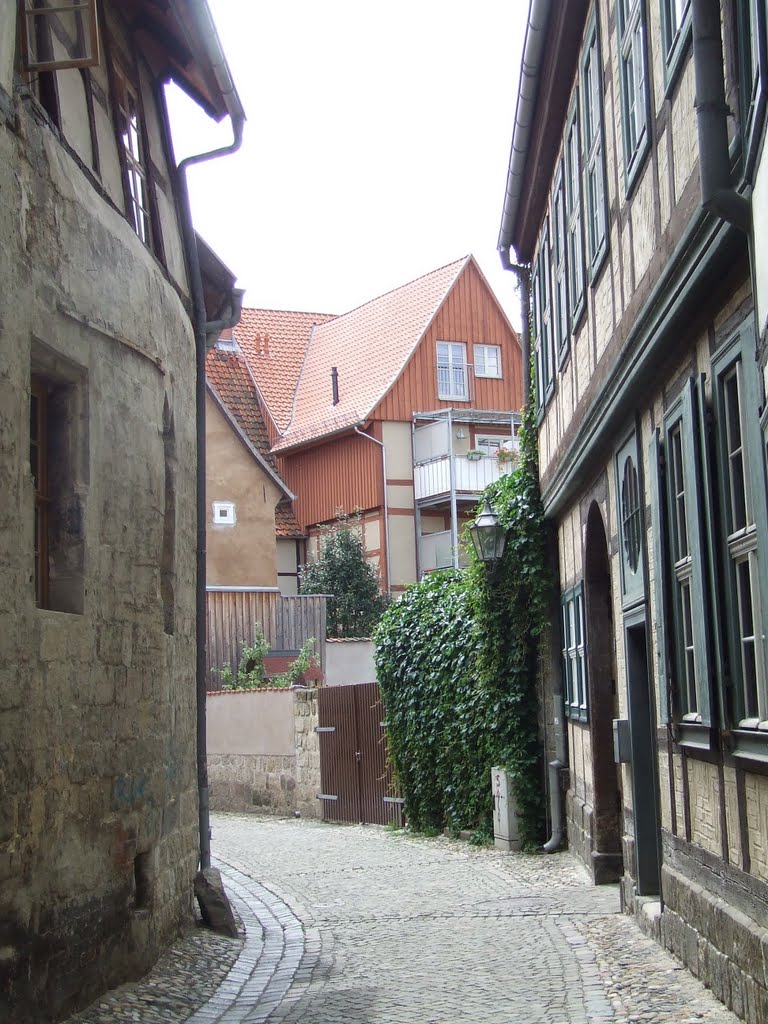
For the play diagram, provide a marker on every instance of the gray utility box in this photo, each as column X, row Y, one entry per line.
column 506, row 834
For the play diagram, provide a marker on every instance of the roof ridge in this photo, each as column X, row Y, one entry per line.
column 405, row 284
column 293, row 312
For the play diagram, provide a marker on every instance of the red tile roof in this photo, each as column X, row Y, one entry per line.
column 286, row 523
column 369, row 345
column 274, row 343
column 227, row 373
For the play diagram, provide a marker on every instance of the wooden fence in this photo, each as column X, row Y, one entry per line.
column 287, row 622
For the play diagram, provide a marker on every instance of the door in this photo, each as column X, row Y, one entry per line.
column 355, row 776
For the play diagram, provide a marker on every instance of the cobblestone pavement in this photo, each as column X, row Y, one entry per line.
column 361, row 925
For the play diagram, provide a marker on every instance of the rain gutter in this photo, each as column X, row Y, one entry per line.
column 204, row 329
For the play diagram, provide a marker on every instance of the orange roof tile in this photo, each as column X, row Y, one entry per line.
column 370, row 346
column 286, row 524
column 274, row 343
column 227, row 373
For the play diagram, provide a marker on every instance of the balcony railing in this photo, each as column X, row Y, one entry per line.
column 435, row 552
column 471, row 476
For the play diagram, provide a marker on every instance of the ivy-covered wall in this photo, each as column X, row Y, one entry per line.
column 457, row 661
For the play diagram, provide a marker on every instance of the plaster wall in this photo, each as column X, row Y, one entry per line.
column 251, row 722
column 244, row 554
column 397, row 438
column 97, row 714
column 348, row 662
column 760, row 250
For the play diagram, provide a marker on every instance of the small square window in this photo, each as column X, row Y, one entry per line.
column 487, row 360
column 224, row 513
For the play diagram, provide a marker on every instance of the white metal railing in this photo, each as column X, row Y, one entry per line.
column 433, row 478
column 435, row 552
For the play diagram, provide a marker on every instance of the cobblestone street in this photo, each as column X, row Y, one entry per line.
column 360, row 924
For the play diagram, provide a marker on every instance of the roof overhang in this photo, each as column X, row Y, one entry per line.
column 550, row 56
column 179, row 40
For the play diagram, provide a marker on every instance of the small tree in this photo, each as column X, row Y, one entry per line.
column 342, row 572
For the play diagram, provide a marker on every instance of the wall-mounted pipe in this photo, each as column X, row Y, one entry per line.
column 534, row 49
column 203, row 329
column 555, row 808
column 381, row 445
column 718, row 195
column 522, row 272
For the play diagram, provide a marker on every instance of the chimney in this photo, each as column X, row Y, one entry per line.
column 335, row 385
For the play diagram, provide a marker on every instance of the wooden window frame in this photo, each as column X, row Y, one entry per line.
column 752, row 46
column 742, row 541
column 484, row 372
column 593, row 155
column 676, row 34
column 38, row 444
column 574, row 214
column 547, row 343
column 562, row 319
column 450, row 394
column 635, row 100
column 575, row 693
column 30, row 13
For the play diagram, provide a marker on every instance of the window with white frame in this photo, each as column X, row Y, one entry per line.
column 492, row 444
column 561, row 312
column 574, row 662
column 452, row 378
column 487, row 360
column 594, row 160
column 634, row 82
column 575, row 241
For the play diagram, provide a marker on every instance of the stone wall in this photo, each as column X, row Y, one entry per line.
column 98, row 817
column 259, row 766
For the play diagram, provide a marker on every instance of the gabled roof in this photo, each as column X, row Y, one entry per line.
column 274, row 342
column 369, row 346
column 286, row 523
column 233, row 390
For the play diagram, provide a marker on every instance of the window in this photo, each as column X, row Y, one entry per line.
column 452, row 383
column 676, row 31
column 487, row 360
column 743, row 518
column 753, row 74
column 594, row 164
column 634, row 84
column 57, row 462
column 58, row 34
column 574, row 663
column 224, row 513
column 575, row 243
column 132, row 143
column 491, row 444
column 543, row 317
column 561, row 313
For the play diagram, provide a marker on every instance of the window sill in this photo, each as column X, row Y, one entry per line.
column 694, row 736
column 675, row 59
column 598, row 264
column 750, row 745
column 635, row 165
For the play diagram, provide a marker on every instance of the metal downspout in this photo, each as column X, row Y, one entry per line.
column 718, row 195
column 202, row 331
column 381, row 445
column 454, row 508
column 522, row 272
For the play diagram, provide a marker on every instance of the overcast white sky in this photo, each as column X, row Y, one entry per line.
column 376, row 146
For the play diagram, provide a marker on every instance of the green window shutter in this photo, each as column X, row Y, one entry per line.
column 713, row 593
column 567, row 681
column 694, row 501
column 660, row 583
column 753, row 445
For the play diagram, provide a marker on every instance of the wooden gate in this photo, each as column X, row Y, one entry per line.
column 355, row 776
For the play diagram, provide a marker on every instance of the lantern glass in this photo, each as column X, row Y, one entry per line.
column 488, row 536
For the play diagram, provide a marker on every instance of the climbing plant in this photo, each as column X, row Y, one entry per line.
column 457, row 660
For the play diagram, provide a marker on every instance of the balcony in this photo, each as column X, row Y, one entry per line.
column 436, row 552
column 432, row 479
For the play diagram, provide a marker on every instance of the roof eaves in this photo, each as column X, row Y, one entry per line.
column 303, row 442
column 243, row 437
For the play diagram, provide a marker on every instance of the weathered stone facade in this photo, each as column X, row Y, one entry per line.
column 98, row 820
column 279, row 773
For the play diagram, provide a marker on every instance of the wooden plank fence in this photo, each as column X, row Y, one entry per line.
column 287, row 622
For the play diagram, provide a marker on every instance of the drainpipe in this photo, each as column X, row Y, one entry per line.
column 718, row 195
column 203, row 329
column 556, row 767
column 522, row 272
column 381, row 445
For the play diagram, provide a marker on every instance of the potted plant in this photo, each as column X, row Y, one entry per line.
column 475, row 453
column 506, row 455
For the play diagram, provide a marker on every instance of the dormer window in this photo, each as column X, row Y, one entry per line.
column 56, row 34
column 452, row 383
